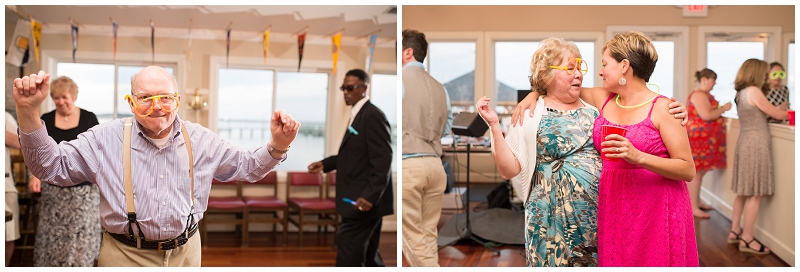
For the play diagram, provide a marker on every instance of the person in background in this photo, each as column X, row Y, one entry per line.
column 364, row 174
column 552, row 162
column 12, row 204
column 153, row 170
column 706, row 128
column 68, row 230
column 776, row 92
column 426, row 117
column 752, row 162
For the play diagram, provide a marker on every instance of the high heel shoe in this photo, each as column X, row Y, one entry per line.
column 735, row 240
column 747, row 248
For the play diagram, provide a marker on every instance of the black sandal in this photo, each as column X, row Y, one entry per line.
column 735, row 240
column 747, row 248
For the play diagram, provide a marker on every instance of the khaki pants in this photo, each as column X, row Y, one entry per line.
column 114, row 253
column 424, row 181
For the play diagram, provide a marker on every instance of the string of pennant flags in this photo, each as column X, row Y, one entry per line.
column 28, row 35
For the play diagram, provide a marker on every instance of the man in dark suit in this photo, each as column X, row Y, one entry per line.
column 363, row 175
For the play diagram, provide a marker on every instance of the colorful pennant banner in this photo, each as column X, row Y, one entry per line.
column 153, row 40
column 336, row 46
column 301, row 42
column 36, row 30
column 227, row 45
column 74, row 30
column 372, row 41
column 114, row 33
column 18, row 50
column 266, row 43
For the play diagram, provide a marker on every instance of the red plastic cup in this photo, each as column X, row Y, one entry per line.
column 791, row 117
column 608, row 130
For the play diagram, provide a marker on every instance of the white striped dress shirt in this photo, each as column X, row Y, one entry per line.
column 161, row 180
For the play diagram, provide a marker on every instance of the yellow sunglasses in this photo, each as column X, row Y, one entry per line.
column 777, row 74
column 578, row 64
column 142, row 102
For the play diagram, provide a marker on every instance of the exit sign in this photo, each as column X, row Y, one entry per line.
column 695, row 11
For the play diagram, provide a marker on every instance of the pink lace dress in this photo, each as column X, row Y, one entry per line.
column 644, row 219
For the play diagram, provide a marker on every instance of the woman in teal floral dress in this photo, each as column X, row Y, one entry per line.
column 562, row 206
column 552, row 162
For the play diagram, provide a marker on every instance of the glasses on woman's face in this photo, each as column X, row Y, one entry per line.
column 777, row 74
column 145, row 104
column 350, row 88
column 573, row 65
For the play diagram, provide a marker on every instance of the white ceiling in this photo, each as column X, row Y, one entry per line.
column 211, row 21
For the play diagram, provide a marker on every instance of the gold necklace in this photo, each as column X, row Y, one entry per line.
column 638, row 105
column 66, row 117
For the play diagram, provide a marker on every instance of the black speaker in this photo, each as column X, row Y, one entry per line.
column 521, row 94
column 469, row 124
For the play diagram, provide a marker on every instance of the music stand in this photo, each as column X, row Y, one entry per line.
column 470, row 124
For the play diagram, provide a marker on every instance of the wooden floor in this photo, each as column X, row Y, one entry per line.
column 223, row 250
column 713, row 249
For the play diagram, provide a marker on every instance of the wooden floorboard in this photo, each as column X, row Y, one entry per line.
column 713, row 249
column 223, row 250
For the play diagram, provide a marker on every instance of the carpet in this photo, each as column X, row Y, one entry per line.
column 497, row 225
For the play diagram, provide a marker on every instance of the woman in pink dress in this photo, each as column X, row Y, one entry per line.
column 644, row 211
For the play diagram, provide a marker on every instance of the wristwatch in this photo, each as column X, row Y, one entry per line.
column 272, row 149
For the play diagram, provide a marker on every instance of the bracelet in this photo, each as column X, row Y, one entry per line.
column 272, row 149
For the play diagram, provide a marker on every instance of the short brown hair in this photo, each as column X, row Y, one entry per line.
column 637, row 49
column 62, row 83
column 415, row 40
column 550, row 52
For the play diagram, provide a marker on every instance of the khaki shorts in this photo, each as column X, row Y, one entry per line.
column 12, row 227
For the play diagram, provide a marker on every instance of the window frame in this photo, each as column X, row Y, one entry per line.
column 772, row 44
column 464, row 36
column 788, row 38
column 680, row 36
column 390, row 69
column 51, row 58
column 276, row 65
column 491, row 38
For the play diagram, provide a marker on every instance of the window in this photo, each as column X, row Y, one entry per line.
column 663, row 76
column 725, row 59
column 453, row 65
column 512, row 68
column 724, row 49
column 96, row 90
column 384, row 96
column 305, row 95
column 671, row 43
column 247, row 99
column 91, row 78
column 245, row 106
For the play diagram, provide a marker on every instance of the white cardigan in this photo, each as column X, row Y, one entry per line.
column 522, row 141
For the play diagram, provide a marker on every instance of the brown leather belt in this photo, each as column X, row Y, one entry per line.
column 168, row 244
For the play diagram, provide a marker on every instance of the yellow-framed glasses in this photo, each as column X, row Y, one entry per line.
column 145, row 104
column 777, row 74
column 572, row 66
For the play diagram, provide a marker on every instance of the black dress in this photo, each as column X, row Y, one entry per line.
column 68, row 231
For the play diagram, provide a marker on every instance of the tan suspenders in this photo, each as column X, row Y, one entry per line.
column 127, row 178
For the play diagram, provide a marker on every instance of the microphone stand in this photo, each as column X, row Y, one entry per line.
column 467, row 231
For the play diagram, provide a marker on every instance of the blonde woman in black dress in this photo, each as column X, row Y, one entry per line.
column 68, row 231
